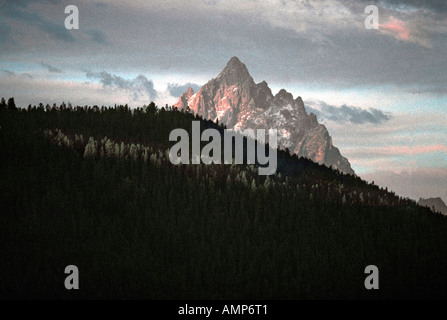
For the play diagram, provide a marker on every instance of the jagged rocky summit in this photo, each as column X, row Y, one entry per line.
column 233, row 98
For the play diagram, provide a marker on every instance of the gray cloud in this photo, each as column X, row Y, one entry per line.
column 5, row 31
column 8, row 72
column 344, row 56
column 176, row 90
column 137, row 87
column 433, row 89
column 19, row 11
column 50, row 68
column 31, row 18
column 12, row 74
column 101, row 5
column 290, row 42
column 96, row 36
column 434, row 5
column 346, row 114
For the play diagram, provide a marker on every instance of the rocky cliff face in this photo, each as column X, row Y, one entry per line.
column 233, row 98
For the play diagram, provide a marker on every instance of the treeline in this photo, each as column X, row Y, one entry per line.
column 73, row 190
column 11, row 105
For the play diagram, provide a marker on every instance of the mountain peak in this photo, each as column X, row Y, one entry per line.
column 234, row 99
column 284, row 94
column 235, row 71
column 235, row 61
column 300, row 104
column 283, row 98
column 184, row 99
column 190, row 91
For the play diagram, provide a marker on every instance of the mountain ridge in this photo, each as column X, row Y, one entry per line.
column 435, row 204
column 234, row 99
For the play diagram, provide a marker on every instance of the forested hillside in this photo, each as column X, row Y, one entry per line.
column 93, row 187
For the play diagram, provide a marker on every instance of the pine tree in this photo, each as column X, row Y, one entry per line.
column 244, row 178
column 90, row 148
column 122, row 150
column 109, row 148
column 253, row 185
column 267, row 182
column 116, row 151
column 3, row 104
column 11, row 104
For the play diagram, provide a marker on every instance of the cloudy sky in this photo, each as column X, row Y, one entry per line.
column 381, row 93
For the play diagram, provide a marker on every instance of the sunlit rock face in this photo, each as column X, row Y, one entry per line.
column 234, row 99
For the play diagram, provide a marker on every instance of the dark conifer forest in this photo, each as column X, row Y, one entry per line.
column 93, row 187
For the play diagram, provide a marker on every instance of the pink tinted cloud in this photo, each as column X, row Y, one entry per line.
column 397, row 28
column 397, row 150
column 407, row 150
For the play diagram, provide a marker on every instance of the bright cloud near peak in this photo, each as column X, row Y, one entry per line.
column 399, row 150
column 397, row 28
